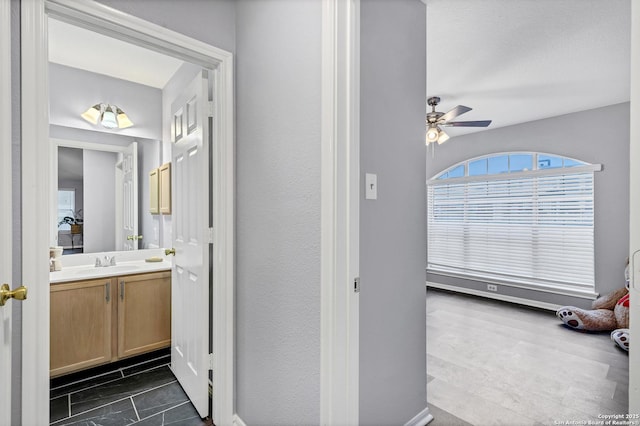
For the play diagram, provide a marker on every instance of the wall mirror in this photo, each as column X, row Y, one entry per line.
column 95, row 195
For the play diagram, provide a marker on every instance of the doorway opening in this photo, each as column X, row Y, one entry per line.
column 108, row 22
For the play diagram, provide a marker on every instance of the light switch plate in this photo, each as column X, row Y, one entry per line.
column 371, row 186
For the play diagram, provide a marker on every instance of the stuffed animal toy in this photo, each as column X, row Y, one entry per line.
column 610, row 312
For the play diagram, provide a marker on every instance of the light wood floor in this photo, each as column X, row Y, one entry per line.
column 497, row 363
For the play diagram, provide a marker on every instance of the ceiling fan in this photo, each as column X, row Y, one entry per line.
column 436, row 119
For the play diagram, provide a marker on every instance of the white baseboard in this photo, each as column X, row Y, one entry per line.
column 420, row 419
column 496, row 296
column 237, row 421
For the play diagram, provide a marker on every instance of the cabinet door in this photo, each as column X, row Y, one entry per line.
column 165, row 188
column 80, row 325
column 144, row 313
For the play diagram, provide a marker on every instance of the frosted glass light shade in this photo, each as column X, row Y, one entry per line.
column 92, row 114
column 123, row 120
column 432, row 135
column 442, row 138
column 109, row 119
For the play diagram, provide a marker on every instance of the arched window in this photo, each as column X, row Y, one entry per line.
column 518, row 218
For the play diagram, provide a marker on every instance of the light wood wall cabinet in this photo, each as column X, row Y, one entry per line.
column 95, row 322
column 154, row 191
column 165, row 188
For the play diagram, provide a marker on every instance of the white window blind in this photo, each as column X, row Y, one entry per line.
column 531, row 228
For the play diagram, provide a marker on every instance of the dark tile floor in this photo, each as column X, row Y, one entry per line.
column 141, row 391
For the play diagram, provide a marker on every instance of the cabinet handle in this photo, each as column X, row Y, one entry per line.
column 122, row 290
column 108, row 291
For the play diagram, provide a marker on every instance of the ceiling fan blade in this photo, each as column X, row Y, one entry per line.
column 453, row 113
column 479, row 123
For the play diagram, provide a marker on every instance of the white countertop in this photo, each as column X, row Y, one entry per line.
column 81, row 267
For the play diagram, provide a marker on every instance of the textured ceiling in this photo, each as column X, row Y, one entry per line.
column 514, row 61
column 80, row 48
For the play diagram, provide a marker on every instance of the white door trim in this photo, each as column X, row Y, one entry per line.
column 634, row 202
column 35, row 220
column 5, row 207
column 35, row 175
column 340, row 201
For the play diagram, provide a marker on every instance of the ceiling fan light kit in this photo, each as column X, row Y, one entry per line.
column 435, row 119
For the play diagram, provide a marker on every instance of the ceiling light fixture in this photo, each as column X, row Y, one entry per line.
column 435, row 119
column 432, row 134
column 110, row 116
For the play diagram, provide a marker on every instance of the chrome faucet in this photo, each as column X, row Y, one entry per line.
column 107, row 261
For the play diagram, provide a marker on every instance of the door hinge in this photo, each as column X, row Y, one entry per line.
column 211, row 361
column 356, row 285
column 211, row 108
column 210, row 235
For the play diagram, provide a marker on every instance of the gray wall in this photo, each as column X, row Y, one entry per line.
column 392, row 228
column 278, row 211
column 570, row 135
column 149, row 157
column 211, row 21
column 72, row 91
column 99, row 202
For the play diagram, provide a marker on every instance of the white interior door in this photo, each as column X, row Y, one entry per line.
column 5, row 212
column 5, row 276
column 129, row 169
column 190, row 229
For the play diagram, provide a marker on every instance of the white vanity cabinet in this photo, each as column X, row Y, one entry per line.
column 97, row 321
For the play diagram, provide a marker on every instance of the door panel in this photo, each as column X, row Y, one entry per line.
column 190, row 275
column 129, row 168
column 5, row 211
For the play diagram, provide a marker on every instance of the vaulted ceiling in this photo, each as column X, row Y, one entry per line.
column 514, row 61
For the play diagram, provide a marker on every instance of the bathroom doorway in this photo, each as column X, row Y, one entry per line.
column 112, row 23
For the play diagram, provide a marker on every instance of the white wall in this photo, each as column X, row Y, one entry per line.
column 278, row 211
column 100, row 202
column 572, row 136
column 393, row 376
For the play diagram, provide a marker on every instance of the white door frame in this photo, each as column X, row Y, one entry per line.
column 35, row 187
column 5, row 207
column 340, row 213
column 634, row 202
